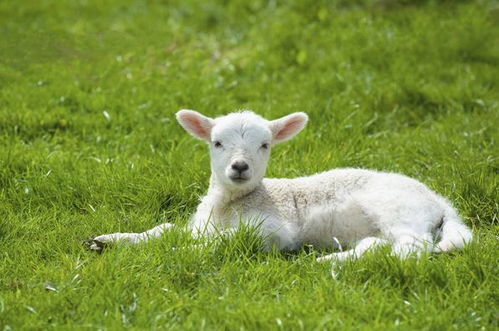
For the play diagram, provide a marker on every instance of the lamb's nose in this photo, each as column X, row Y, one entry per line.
column 240, row 166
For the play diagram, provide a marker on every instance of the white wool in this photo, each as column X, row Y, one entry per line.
column 337, row 208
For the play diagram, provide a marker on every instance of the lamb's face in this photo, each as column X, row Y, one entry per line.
column 239, row 148
column 240, row 143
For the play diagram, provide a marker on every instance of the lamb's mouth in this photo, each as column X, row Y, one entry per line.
column 238, row 179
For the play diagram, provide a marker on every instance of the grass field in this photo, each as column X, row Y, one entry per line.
column 89, row 145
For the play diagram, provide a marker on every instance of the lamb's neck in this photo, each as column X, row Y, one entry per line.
column 222, row 195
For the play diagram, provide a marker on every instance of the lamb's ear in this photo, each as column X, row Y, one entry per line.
column 195, row 123
column 287, row 127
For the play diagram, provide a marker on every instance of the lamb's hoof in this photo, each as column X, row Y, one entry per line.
column 94, row 245
column 325, row 258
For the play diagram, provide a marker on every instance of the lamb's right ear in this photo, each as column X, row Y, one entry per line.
column 195, row 123
column 288, row 126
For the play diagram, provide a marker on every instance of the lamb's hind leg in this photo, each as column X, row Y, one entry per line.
column 405, row 245
column 99, row 242
column 361, row 247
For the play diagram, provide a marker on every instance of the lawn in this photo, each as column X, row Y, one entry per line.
column 90, row 145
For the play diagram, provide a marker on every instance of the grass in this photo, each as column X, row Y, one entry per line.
column 89, row 145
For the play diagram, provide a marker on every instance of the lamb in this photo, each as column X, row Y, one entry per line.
column 355, row 208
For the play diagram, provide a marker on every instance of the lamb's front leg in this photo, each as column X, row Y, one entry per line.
column 99, row 242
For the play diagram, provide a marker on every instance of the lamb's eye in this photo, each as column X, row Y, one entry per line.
column 217, row 144
column 265, row 146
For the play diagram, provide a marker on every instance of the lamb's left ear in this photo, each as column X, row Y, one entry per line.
column 195, row 123
column 287, row 127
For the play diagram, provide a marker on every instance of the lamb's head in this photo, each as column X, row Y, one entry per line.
column 240, row 143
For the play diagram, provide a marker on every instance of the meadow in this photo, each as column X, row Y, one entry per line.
column 89, row 145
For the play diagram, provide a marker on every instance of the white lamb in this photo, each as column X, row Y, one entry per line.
column 342, row 207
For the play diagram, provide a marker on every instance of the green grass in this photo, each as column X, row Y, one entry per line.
column 89, row 145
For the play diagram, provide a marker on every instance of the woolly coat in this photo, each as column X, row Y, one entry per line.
column 337, row 206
